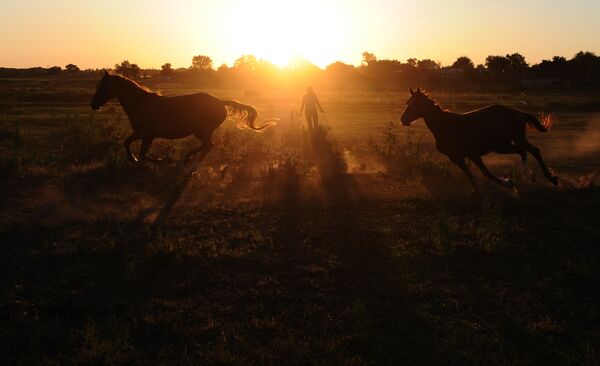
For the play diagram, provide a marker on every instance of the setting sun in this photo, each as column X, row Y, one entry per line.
column 279, row 31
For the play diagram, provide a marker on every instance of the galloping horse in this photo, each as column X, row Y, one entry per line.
column 476, row 133
column 153, row 116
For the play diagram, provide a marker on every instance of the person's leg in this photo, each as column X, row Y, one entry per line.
column 308, row 116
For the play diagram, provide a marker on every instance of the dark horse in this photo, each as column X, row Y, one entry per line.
column 154, row 116
column 476, row 133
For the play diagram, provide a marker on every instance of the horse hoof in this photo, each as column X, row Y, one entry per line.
column 509, row 183
column 553, row 179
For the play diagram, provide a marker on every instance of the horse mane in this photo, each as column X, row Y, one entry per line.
column 423, row 94
column 133, row 83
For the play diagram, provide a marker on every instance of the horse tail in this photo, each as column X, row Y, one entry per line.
column 543, row 125
column 245, row 114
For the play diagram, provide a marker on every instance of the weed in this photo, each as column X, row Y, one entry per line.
column 492, row 229
column 443, row 233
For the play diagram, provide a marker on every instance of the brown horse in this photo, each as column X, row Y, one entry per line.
column 476, row 133
column 154, row 116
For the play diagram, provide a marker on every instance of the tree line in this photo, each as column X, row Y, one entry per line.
column 582, row 70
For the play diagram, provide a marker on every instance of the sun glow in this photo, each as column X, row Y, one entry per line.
column 280, row 31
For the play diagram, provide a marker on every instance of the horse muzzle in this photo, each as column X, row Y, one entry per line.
column 405, row 122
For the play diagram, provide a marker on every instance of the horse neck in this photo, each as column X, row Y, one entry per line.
column 435, row 119
column 129, row 95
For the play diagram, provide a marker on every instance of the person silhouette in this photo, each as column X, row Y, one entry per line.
column 310, row 103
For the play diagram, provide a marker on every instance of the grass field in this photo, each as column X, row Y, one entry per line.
column 361, row 247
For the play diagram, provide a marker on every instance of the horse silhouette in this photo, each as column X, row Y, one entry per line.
column 154, row 116
column 476, row 133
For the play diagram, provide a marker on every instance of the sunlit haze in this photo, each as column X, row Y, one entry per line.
column 152, row 32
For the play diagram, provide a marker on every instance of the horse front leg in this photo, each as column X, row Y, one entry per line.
column 502, row 181
column 128, row 142
column 146, row 142
column 460, row 162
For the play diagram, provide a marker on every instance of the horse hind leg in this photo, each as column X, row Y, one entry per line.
column 204, row 149
column 484, row 170
column 535, row 152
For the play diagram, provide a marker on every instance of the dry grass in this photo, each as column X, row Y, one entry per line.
column 290, row 248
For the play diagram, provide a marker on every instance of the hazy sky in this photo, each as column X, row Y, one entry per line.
column 152, row 32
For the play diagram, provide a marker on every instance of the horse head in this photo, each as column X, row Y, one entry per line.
column 105, row 91
column 417, row 106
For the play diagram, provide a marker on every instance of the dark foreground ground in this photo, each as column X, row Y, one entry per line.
column 283, row 251
column 412, row 281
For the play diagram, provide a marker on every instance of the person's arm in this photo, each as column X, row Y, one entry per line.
column 302, row 105
column 319, row 105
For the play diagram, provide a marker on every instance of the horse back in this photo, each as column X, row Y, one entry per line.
column 179, row 116
column 480, row 131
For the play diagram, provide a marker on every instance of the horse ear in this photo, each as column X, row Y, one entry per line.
column 419, row 90
column 412, row 93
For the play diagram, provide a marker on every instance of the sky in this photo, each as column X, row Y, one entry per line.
column 98, row 34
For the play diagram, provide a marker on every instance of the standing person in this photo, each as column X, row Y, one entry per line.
column 310, row 103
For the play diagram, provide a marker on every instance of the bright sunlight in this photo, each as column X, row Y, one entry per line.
column 280, row 32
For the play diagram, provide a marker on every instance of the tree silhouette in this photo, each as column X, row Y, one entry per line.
column 128, row 69
column 72, row 68
column 509, row 66
column 54, row 70
column 427, row 65
column 368, row 59
column 517, row 65
column 464, row 63
column 246, row 63
column 166, row 69
column 201, row 62
column 497, row 65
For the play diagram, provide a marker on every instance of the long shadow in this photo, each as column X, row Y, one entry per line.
column 158, row 217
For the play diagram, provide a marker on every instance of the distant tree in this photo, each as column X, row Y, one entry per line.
column 54, row 70
column 246, row 62
column 518, row 66
column 559, row 59
column 497, row 65
column 340, row 74
column 128, row 69
column 339, row 69
column 412, row 62
column 427, row 65
column 368, row 59
column 385, row 68
column 166, row 69
column 464, row 63
column 201, row 62
column 72, row 68
column 558, row 67
column 223, row 67
column 584, row 56
column 585, row 66
column 510, row 66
